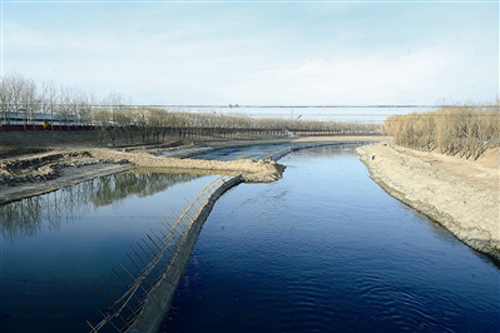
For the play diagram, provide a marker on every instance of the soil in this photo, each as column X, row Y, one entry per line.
column 461, row 195
column 32, row 163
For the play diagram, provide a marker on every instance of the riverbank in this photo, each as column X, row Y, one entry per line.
column 42, row 173
column 31, row 170
column 461, row 195
column 158, row 301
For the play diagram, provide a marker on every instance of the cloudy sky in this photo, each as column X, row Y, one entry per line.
column 259, row 52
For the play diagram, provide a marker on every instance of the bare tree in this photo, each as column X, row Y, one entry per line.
column 101, row 117
column 467, row 130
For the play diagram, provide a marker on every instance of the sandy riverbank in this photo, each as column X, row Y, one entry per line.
column 27, row 170
column 42, row 173
column 461, row 195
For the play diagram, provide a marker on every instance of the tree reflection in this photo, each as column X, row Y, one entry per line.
column 330, row 150
column 116, row 188
column 27, row 217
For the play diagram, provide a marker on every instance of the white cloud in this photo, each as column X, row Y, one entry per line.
column 232, row 57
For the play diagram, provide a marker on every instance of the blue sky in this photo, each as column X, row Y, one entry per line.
column 259, row 52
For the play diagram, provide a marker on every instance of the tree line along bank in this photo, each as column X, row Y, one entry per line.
column 24, row 105
column 466, row 131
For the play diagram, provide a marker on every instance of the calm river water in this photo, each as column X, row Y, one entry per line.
column 326, row 249
column 55, row 246
column 323, row 249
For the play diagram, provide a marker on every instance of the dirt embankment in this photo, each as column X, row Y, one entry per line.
column 252, row 171
column 37, row 163
column 463, row 196
column 35, row 174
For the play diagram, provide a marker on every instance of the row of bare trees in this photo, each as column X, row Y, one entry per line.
column 155, row 123
column 467, row 130
column 17, row 94
column 23, row 101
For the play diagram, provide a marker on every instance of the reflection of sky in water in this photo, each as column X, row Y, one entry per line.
column 49, row 261
column 245, row 152
column 249, row 152
column 327, row 249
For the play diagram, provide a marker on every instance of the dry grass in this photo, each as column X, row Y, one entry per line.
column 466, row 131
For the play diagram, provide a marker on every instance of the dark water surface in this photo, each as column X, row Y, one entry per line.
column 245, row 152
column 54, row 246
column 326, row 249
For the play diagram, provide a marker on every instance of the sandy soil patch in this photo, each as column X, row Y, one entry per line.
column 462, row 195
column 252, row 171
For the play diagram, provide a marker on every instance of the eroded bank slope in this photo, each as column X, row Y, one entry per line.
column 252, row 171
column 463, row 196
column 36, row 174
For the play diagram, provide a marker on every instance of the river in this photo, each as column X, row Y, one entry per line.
column 53, row 247
column 323, row 249
column 326, row 249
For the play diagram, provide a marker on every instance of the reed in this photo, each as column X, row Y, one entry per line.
column 466, row 130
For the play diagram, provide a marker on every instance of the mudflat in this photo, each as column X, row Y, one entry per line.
column 461, row 195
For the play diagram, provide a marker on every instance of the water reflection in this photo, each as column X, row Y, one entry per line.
column 265, row 151
column 27, row 217
column 328, row 150
column 339, row 254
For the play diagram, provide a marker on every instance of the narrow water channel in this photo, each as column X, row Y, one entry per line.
column 53, row 247
column 326, row 249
